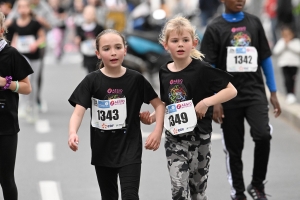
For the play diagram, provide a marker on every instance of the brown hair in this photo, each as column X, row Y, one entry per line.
column 180, row 24
column 2, row 19
column 101, row 65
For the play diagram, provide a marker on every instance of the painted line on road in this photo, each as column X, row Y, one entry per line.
column 42, row 126
column 44, row 151
column 50, row 190
column 214, row 136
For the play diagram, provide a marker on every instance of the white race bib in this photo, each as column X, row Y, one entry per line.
column 108, row 114
column 180, row 117
column 241, row 59
column 87, row 47
column 24, row 42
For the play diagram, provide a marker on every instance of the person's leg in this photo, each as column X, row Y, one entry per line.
column 260, row 129
column 200, row 156
column 40, row 75
column 178, row 166
column 108, row 182
column 233, row 141
column 130, row 181
column 286, row 76
column 8, row 151
column 293, row 74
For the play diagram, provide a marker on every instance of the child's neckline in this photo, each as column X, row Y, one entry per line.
column 113, row 77
column 233, row 17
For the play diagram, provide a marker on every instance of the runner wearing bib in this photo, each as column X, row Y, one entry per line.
column 188, row 87
column 115, row 95
column 236, row 42
column 28, row 35
column 85, row 38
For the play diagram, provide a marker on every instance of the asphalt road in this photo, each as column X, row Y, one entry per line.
column 46, row 169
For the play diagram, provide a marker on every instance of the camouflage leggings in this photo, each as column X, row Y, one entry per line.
column 188, row 159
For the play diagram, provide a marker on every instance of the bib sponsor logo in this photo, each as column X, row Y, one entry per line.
column 241, row 50
column 103, row 104
column 172, row 109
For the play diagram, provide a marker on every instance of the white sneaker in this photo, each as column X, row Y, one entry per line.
column 290, row 98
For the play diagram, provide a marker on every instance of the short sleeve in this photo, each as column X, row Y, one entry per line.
column 215, row 79
column 209, row 46
column 21, row 65
column 149, row 92
column 82, row 93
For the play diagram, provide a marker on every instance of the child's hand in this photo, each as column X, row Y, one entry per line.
column 200, row 109
column 146, row 118
column 73, row 142
column 153, row 141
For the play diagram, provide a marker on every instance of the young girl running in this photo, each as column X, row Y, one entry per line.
column 28, row 35
column 189, row 87
column 14, row 71
column 86, row 34
column 115, row 95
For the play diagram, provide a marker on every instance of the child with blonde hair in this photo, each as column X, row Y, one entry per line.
column 189, row 87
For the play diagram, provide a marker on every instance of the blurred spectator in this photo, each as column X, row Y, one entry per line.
column 101, row 11
column 116, row 15
column 284, row 12
column 208, row 9
column 58, row 32
column 5, row 8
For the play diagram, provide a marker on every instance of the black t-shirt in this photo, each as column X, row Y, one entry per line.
column 31, row 28
column 12, row 63
column 221, row 34
column 86, row 35
column 116, row 148
column 197, row 81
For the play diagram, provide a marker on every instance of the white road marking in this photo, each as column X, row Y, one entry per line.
column 50, row 190
column 42, row 126
column 214, row 136
column 44, row 151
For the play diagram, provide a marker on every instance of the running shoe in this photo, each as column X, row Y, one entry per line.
column 256, row 193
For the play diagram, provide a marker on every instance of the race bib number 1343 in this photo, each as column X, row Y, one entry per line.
column 108, row 114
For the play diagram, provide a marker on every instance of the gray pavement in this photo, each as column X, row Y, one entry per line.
column 46, row 169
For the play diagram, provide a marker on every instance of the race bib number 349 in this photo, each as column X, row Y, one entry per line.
column 108, row 114
column 180, row 117
column 241, row 59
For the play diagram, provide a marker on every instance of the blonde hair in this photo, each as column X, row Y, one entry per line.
column 2, row 19
column 180, row 24
column 101, row 65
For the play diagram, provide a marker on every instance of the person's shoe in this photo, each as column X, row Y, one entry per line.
column 256, row 193
column 239, row 197
column 290, row 98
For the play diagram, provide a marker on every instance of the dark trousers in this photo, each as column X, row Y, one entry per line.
column 8, row 151
column 289, row 74
column 233, row 135
column 40, row 75
column 129, row 176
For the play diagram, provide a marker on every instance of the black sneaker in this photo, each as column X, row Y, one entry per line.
column 241, row 197
column 256, row 193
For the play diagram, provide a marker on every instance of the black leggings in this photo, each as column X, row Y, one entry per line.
column 8, row 151
column 290, row 74
column 129, row 176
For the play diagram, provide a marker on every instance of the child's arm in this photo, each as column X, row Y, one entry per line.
column 74, row 125
column 222, row 96
column 41, row 39
column 153, row 140
column 279, row 47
